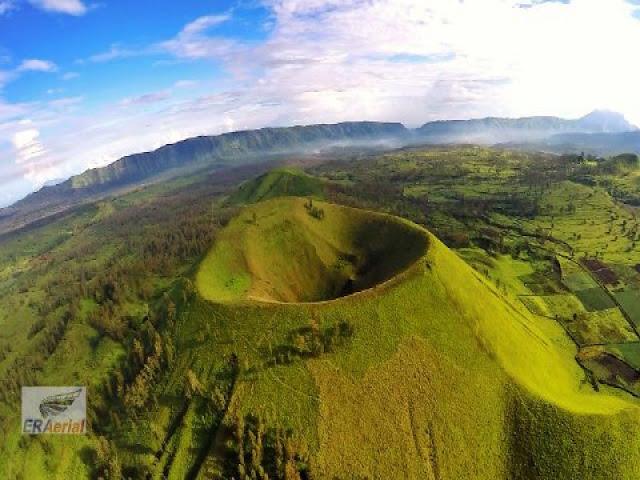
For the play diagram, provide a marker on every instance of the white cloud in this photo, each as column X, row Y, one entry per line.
column 114, row 52
column 9, row 111
column 37, row 65
column 27, row 145
column 70, row 75
column 5, row 77
column 413, row 61
column 185, row 83
column 32, row 161
column 204, row 23
column 193, row 42
column 146, row 99
column 6, row 6
column 64, row 102
column 30, row 65
column 70, row 7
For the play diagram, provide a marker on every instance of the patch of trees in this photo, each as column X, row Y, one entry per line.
column 215, row 402
column 262, row 454
column 24, row 369
column 37, row 327
column 542, row 172
column 470, row 207
column 382, row 196
column 490, row 239
column 365, row 191
column 518, row 205
column 456, row 239
column 169, row 230
column 5, row 350
column 105, row 460
column 313, row 341
column 115, row 262
column 315, row 212
column 129, row 389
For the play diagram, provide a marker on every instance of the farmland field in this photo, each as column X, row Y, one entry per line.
column 629, row 351
column 595, row 299
column 630, row 301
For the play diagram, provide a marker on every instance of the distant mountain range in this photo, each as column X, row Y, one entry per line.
column 604, row 144
column 500, row 130
column 600, row 130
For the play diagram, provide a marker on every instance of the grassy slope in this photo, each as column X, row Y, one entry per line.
column 276, row 183
column 460, row 383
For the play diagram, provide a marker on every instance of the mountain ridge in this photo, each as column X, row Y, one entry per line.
column 210, row 153
column 220, row 147
column 219, row 152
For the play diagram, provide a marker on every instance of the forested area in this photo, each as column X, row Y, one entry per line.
column 124, row 272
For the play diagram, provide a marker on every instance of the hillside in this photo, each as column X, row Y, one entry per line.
column 428, row 368
column 221, row 337
column 276, row 183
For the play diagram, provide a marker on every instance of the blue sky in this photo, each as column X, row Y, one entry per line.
column 106, row 46
column 83, row 83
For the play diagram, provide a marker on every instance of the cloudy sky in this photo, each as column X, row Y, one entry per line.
column 82, row 84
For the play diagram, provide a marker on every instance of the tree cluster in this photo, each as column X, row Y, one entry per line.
column 313, row 341
column 314, row 211
column 263, row 454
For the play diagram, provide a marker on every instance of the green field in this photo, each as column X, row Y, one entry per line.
column 595, row 299
column 630, row 301
column 600, row 327
column 629, row 351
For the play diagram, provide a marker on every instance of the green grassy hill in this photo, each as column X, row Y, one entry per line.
column 441, row 376
column 280, row 182
column 298, row 257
